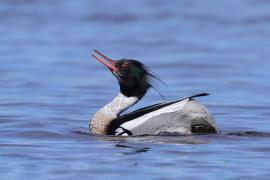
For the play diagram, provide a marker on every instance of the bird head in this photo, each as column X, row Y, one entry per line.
column 132, row 75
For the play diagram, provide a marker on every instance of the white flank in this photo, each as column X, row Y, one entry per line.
column 168, row 109
column 118, row 131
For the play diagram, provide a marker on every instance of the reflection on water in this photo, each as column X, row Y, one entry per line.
column 133, row 150
column 50, row 87
column 250, row 134
column 174, row 138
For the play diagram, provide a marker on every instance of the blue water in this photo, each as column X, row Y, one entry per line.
column 50, row 87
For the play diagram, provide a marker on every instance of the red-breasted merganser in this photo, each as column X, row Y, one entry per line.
column 184, row 116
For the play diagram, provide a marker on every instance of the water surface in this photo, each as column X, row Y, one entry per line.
column 50, row 87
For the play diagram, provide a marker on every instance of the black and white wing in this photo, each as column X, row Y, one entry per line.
column 122, row 125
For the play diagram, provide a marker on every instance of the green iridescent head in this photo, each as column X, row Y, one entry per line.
column 133, row 77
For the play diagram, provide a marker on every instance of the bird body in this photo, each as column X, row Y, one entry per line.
column 184, row 116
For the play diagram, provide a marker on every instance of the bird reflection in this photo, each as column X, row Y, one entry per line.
column 134, row 150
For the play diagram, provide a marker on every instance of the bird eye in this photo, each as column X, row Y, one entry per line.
column 124, row 65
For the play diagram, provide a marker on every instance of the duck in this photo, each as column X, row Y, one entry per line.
column 182, row 116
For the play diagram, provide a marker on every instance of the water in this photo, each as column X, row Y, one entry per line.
column 50, row 87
